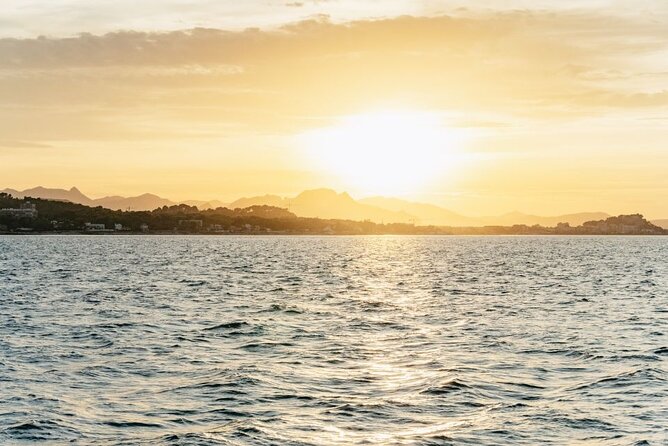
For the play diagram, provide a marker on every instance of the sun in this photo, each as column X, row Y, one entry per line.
column 388, row 152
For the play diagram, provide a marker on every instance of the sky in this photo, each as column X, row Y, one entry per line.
column 485, row 107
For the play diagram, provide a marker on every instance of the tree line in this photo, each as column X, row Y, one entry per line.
column 63, row 216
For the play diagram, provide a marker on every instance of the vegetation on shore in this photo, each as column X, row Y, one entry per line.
column 61, row 216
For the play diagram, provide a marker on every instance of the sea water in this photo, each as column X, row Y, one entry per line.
column 197, row 340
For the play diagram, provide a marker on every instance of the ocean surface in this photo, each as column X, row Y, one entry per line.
column 196, row 340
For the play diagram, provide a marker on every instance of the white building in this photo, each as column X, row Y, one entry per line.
column 27, row 210
column 95, row 227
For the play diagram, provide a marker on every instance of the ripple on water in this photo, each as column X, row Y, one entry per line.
column 333, row 340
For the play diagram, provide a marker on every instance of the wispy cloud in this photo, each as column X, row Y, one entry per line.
column 518, row 63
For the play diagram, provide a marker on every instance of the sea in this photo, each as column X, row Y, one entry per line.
column 300, row 340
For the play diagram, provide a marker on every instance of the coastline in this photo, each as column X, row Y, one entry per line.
column 315, row 234
column 40, row 216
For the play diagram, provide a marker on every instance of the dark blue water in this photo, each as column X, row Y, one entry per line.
column 333, row 340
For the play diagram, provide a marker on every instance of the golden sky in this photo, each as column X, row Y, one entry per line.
column 546, row 107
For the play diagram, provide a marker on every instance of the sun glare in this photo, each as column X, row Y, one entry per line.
column 385, row 152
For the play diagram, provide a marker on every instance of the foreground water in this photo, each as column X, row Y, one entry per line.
column 333, row 340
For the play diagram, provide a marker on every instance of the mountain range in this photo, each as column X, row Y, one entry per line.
column 326, row 203
column 139, row 203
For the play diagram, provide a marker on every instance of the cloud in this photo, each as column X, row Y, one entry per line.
column 136, row 84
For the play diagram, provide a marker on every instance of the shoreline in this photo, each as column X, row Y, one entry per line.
column 40, row 216
column 313, row 234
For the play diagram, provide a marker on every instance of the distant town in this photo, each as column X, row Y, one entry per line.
column 33, row 215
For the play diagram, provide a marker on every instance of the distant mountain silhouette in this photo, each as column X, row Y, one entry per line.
column 423, row 213
column 73, row 195
column 326, row 203
column 268, row 200
column 145, row 202
column 429, row 214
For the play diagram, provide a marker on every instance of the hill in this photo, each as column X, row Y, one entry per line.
column 144, row 202
column 429, row 214
column 261, row 200
column 72, row 195
column 326, row 203
column 423, row 213
column 38, row 215
column 203, row 205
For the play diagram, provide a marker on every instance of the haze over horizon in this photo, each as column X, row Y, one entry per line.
column 326, row 203
column 543, row 107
